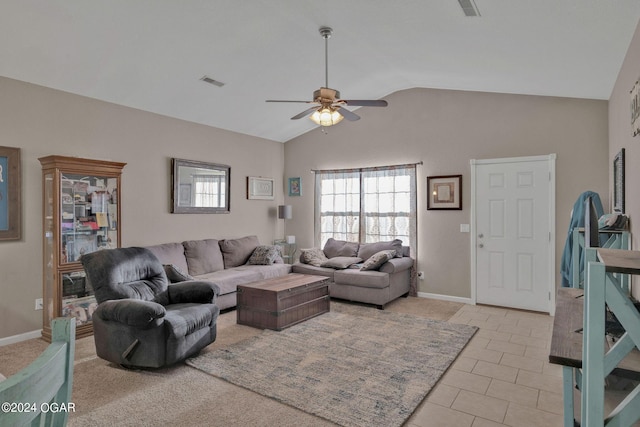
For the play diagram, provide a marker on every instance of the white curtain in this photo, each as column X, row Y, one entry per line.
column 209, row 190
column 366, row 205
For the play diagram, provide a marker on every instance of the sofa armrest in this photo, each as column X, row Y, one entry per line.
column 193, row 291
column 131, row 312
column 395, row 265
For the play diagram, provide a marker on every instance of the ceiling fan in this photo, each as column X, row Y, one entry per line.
column 329, row 109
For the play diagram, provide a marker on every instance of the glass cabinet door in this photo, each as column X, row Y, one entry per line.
column 88, row 215
column 78, row 299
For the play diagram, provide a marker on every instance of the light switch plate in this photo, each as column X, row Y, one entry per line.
column 464, row 228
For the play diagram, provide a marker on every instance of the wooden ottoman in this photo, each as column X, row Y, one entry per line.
column 282, row 301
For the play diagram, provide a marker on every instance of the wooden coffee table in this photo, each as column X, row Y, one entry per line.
column 282, row 301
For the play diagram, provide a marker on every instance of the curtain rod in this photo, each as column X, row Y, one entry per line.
column 367, row 168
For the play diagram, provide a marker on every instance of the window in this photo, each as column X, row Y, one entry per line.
column 366, row 205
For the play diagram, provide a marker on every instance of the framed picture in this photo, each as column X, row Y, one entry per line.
column 10, row 194
column 295, row 186
column 618, row 182
column 635, row 108
column 444, row 192
column 259, row 188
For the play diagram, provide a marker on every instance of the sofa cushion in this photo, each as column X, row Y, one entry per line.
column 229, row 278
column 375, row 261
column 341, row 262
column 170, row 253
column 236, row 252
column 264, row 255
column 365, row 279
column 334, row 248
column 367, row 250
column 312, row 269
column 313, row 256
column 203, row 256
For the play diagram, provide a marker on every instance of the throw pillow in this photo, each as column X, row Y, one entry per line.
column 376, row 260
column 341, row 262
column 334, row 248
column 264, row 255
column 175, row 274
column 313, row 256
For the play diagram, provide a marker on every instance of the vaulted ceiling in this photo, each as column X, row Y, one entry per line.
column 151, row 54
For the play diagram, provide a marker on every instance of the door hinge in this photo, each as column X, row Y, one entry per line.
column 549, row 295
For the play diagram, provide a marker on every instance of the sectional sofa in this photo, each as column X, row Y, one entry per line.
column 372, row 273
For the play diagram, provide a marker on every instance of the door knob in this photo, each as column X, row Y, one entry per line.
column 481, row 235
column 481, row 245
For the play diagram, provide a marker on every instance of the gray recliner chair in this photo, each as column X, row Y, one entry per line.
column 142, row 320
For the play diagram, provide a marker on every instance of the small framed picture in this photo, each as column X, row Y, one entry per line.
column 444, row 192
column 295, row 186
column 618, row 182
column 10, row 194
column 259, row 188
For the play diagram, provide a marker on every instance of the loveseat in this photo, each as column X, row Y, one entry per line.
column 227, row 263
column 372, row 273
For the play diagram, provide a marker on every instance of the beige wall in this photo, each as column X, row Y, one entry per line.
column 445, row 129
column 43, row 121
column 620, row 136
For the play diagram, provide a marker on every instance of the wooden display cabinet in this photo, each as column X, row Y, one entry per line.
column 81, row 214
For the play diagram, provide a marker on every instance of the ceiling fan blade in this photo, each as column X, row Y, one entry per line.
column 305, row 113
column 349, row 115
column 366, row 102
column 277, row 100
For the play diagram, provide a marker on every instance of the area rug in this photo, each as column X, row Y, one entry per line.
column 353, row 370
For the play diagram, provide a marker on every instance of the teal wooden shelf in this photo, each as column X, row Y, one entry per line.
column 603, row 285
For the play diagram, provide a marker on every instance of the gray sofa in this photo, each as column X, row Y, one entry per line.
column 227, row 263
column 343, row 263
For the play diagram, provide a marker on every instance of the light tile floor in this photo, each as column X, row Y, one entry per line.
column 501, row 378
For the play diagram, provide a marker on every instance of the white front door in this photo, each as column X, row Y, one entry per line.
column 514, row 234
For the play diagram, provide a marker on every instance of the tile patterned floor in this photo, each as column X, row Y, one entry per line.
column 502, row 378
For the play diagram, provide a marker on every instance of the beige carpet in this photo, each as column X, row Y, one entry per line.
column 105, row 394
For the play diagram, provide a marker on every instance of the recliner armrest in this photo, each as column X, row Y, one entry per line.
column 397, row 264
column 131, row 312
column 193, row 291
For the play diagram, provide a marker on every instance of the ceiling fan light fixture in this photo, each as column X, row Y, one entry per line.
column 326, row 116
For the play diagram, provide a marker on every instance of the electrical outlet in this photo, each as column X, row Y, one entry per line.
column 39, row 303
column 421, row 275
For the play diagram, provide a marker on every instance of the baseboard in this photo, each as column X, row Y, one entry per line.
column 21, row 337
column 445, row 297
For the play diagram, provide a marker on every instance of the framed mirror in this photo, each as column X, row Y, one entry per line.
column 200, row 187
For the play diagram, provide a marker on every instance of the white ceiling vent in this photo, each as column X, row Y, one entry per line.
column 469, row 7
column 209, row 80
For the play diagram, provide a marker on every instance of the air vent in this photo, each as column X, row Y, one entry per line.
column 209, row 80
column 469, row 7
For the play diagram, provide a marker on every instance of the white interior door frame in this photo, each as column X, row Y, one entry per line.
column 551, row 159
